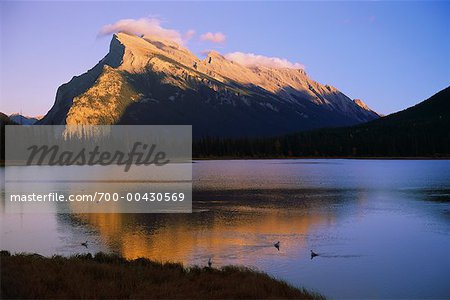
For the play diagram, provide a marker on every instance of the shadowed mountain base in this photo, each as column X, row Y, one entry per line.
column 419, row 131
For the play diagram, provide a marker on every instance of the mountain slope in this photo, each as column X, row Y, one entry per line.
column 24, row 120
column 154, row 81
column 435, row 108
column 419, row 131
column 4, row 120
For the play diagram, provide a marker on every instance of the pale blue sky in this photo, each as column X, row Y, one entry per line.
column 390, row 54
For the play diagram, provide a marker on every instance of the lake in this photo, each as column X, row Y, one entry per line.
column 381, row 227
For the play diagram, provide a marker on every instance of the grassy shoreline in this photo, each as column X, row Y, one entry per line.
column 32, row 276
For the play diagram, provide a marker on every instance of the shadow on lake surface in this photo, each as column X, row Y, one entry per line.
column 381, row 228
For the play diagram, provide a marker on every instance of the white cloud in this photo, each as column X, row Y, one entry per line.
column 146, row 26
column 252, row 60
column 217, row 37
column 152, row 27
column 189, row 34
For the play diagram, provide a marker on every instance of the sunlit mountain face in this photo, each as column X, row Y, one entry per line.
column 149, row 80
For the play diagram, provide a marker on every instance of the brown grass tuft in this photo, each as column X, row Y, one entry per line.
column 107, row 276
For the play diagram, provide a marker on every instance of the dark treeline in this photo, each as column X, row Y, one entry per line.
column 361, row 141
column 419, row 131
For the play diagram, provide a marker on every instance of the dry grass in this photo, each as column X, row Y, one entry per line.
column 106, row 276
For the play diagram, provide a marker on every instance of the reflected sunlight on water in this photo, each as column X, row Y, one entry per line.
column 182, row 238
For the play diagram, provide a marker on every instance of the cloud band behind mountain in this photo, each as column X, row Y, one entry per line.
column 252, row 60
column 152, row 27
column 146, row 26
column 217, row 37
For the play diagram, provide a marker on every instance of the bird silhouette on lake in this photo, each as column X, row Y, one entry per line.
column 209, row 263
column 277, row 245
column 313, row 254
column 85, row 244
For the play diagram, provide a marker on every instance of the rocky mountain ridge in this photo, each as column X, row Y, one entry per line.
column 148, row 80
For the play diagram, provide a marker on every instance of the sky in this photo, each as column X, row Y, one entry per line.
column 391, row 55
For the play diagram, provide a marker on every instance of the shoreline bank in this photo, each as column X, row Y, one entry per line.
column 111, row 276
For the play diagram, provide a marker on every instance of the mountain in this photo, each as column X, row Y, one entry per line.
column 23, row 120
column 148, row 80
column 4, row 120
column 419, row 131
column 433, row 111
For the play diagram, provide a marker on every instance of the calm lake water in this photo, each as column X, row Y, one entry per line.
column 381, row 227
